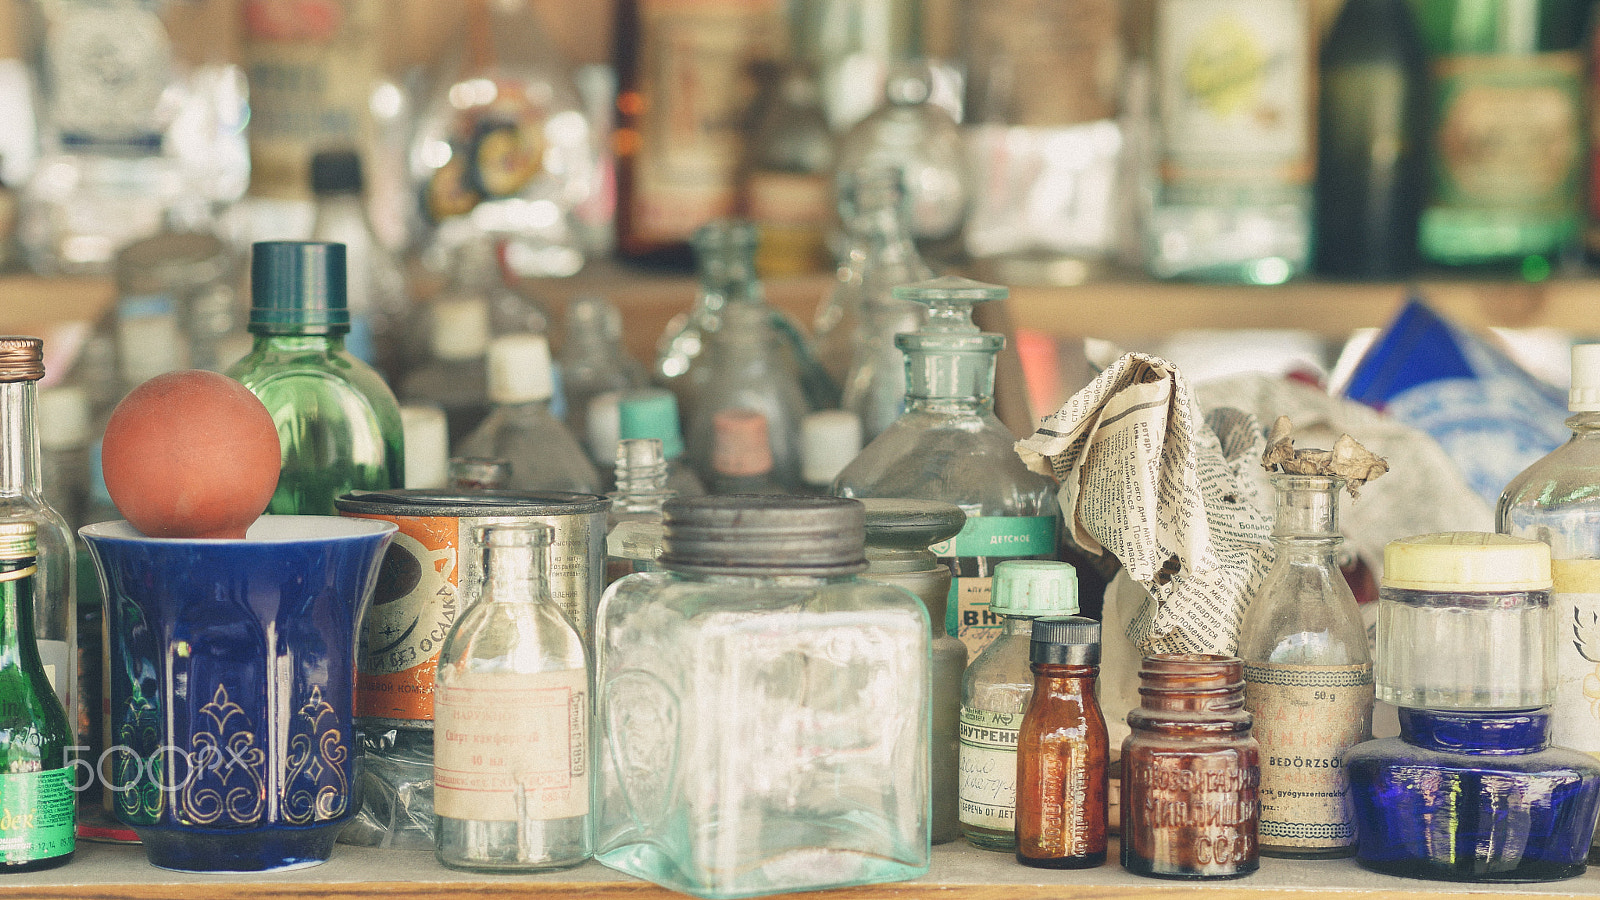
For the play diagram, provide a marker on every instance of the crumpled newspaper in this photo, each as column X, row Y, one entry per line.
column 1143, row 476
column 1348, row 459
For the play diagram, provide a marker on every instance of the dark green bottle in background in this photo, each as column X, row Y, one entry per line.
column 1372, row 133
column 37, row 802
column 338, row 422
column 1507, row 131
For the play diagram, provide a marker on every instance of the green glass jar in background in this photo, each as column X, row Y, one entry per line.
column 36, row 783
column 1508, row 131
column 337, row 420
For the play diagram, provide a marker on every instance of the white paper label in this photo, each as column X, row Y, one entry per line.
column 497, row 736
column 987, row 785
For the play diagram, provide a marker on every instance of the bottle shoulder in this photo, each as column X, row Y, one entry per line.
column 966, row 459
column 287, row 373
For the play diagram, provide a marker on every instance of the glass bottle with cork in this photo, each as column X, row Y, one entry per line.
column 1063, row 751
column 949, row 446
column 526, row 807
column 1189, row 771
column 338, row 423
column 22, row 500
column 995, row 691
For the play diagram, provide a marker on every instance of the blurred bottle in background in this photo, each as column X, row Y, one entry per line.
column 1372, row 132
column 685, row 84
column 652, row 413
column 1230, row 194
column 786, row 185
column 1508, row 132
column 503, row 147
column 201, row 275
column 427, row 441
column 520, row 428
column 132, row 138
column 1041, row 118
column 455, row 375
column 379, row 305
column 744, row 370
column 920, row 138
column 829, row 440
column 741, row 453
column 852, row 45
column 593, row 361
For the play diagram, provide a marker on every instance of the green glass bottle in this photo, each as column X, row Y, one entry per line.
column 338, row 422
column 1507, row 130
column 37, row 801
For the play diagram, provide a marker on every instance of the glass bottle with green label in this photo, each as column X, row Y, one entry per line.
column 338, row 422
column 949, row 446
column 994, row 695
column 1508, row 131
column 37, row 800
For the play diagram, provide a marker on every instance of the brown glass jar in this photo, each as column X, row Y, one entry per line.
column 1190, row 771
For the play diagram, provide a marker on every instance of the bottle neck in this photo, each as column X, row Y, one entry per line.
column 1191, row 683
column 19, row 444
column 514, row 573
column 1059, row 678
column 1016, row 626
column 1487, row 732
column 320, row 341
column 1306, row 509
column 1584, row 424
column 16, row 610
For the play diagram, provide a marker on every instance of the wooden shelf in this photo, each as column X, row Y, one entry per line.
column 103, row 871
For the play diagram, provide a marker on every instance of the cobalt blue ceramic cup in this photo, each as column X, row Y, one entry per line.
column 232, row 674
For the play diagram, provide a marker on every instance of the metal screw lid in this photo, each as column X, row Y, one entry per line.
column 18, row 540
column 21, row 358
column 1065, row 641
column 298, row 286
column 764, row 534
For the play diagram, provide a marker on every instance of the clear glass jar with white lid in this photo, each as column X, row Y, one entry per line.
column 762, row 712
column 1464, row 623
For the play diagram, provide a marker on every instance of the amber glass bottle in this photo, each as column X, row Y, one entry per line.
column 1190, row 771
column 1063, row 750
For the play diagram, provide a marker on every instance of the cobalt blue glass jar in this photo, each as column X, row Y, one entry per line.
column 1472, row 789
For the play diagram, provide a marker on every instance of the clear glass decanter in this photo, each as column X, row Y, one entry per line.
column 513, row 676
column 1557, row 501
column 725, row 258
column 855, row 327
column 948, row 445
column 1308, row 675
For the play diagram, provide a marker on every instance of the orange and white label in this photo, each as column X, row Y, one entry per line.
column 413, row 607
column 510, row 747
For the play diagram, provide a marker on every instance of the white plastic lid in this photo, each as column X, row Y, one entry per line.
column 63, row 418
column 519, row 369
column 460, row 328
column 1585, row 393
column 604, row 426
column 829, row 440
column 1470, row 561
column 427, row 446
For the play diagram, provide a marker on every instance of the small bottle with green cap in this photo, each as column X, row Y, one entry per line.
column 37, row 791
column 653, row 413
column 949, row 446
column 338, row 422
column 995, row 692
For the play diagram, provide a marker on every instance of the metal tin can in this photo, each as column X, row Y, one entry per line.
column 433, row 571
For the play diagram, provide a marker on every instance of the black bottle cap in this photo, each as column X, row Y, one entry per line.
column 764, row 534
column 336, row 172
column 298, row 286
column 1065, row 641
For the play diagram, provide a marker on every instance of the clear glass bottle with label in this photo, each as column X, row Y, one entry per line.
column 1307, row 675
column 995, row 691
column 512, row 675
column 1230, row 198
column 1554, row 501
column 948, row 445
